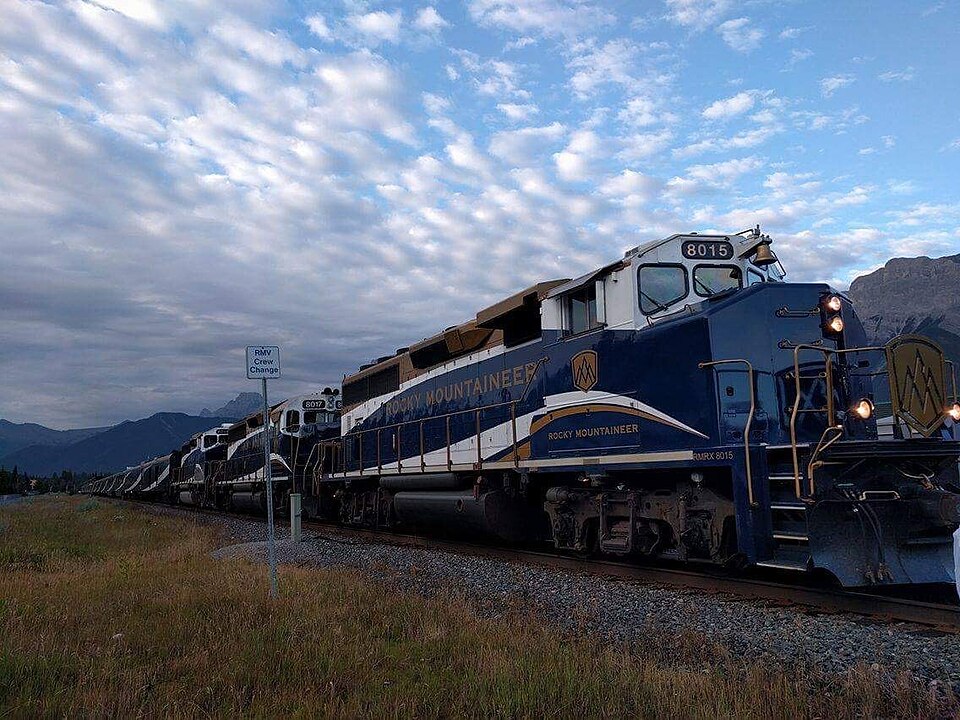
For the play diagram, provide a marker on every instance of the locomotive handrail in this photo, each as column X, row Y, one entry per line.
column 953, row 377
column 420, row 421
column 746, row 429
column 306, row 464
column 828, row 354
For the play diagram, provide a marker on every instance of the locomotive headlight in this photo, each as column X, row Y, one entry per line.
column 835, row 324
column 863, row 409
column 833, row 303
column 954, row 412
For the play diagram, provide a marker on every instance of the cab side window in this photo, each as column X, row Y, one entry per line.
column 659, row 286
column 293, row 419
column 580, row 310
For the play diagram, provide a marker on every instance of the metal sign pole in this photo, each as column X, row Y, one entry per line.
column 263, row 362
column 271, row 534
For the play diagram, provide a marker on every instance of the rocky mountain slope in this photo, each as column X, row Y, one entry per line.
column 241, row 406
column 912, row 295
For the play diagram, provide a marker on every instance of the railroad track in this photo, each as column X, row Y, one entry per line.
column 940, row 616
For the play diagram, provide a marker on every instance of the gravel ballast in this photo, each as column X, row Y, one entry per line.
column 625, row 610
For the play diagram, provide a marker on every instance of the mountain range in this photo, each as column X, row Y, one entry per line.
column 129, row 443
column 14, row 436
column 39, row 450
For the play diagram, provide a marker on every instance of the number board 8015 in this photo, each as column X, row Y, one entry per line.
column 707, row 250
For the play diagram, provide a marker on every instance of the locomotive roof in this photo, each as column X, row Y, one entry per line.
column 483, row 331
column 486, row 329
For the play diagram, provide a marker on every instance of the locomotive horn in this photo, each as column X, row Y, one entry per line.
column 764, row 255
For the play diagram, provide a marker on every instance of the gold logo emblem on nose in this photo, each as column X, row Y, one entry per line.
column 917, row 382
column 584, row 367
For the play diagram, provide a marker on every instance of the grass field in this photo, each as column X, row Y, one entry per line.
column 108, row 611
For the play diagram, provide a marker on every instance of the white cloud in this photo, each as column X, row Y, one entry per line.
column 866, row 151
column 952, row 145
column 559, row 18
column 518, row 112
column 522, row 147
column 888, row 141
column 318, row 26
column 838, row 122
column 631, row 188
column 789, row 33
column 724, row 172
column 494, row 78
column 644, row 145
column 143, row 11
column 740, row 35
column 897, row 75
column 829, row 85
column 743, row 139
column 707, row 178
column 729, row 107
column 429, row 20
column 640, row 112
column 575, row 163
column 902, row 187
column 798, row 56
column 519, row 43
column 271, row 48
column 791, row 185
column 696, row 14
column 598, row 66
column 378, row 26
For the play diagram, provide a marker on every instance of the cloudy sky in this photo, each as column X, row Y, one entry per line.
column 178, row 180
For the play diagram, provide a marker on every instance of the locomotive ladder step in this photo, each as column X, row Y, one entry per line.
column 783, row 565
column 791, row 536
column 789, row 506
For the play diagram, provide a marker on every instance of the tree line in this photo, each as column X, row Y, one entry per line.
column 14, row 481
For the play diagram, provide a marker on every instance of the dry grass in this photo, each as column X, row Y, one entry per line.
column 107, row 611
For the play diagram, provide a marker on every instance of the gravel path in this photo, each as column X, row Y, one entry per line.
column 624, row 610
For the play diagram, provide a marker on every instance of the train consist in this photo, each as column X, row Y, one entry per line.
column 682, row 402
column 224, row 466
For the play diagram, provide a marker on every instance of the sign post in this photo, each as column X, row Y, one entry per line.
column 263, row 362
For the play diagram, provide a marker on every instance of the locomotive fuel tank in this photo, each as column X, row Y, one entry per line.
column 490, row 514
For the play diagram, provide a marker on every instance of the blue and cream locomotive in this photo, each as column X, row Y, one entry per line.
column 682, row 402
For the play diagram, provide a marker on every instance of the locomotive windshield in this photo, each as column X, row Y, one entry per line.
column 660, row 286
column 712, row 279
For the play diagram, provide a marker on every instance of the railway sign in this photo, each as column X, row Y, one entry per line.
column 263, row 362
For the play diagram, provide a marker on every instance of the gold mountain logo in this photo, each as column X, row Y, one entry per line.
column 917, row 382
column 584, row 367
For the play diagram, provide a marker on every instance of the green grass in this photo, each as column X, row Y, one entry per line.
column 109, row 611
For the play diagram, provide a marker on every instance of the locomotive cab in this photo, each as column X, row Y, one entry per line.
column 296, row 426
column 200, row 461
